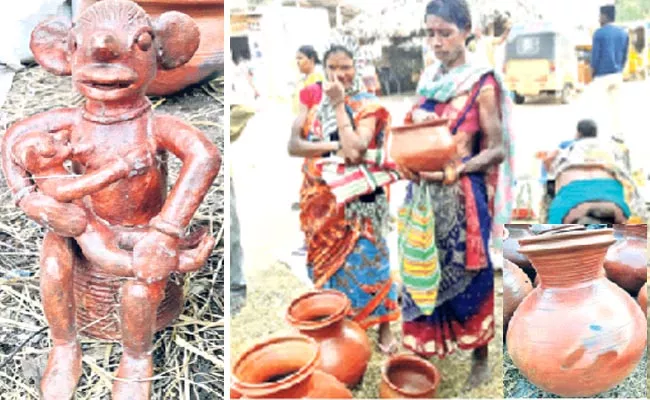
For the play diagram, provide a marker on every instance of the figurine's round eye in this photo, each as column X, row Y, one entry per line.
column 144, row 41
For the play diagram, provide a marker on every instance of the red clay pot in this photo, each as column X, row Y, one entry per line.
column 577, row 334
column 405, row 376
column 516, row 286
column 208, row 59
column 425, row 146
column 344, row 346
column 284, row 367
column 643, row 298
column 626, row 261
column 511, row 247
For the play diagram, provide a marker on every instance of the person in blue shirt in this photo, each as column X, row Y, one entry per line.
column 608, row 58
column 587, row 128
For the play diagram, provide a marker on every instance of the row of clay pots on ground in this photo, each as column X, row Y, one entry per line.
column 328, row 355
column 209, row 57
column 576, row 333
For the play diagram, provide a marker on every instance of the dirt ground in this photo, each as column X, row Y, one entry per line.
column 271, row 290
column 189, row 354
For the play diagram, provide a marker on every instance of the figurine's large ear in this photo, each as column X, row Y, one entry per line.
column 178, row 38
column 49, row 43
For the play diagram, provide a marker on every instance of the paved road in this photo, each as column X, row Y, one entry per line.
column 267, row 180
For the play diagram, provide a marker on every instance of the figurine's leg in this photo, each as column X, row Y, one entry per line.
column 64, row 363
column 140, row 302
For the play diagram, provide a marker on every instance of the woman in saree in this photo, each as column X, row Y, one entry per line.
column 466, row 201
column 311, row 73
column 346, row 249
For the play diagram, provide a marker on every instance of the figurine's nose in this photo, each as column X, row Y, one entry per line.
column 104, row 47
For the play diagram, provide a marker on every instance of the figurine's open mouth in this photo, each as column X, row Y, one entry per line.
column 106, row 78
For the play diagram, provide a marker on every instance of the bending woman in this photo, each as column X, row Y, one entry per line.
column 474, row 101
column 346, row 249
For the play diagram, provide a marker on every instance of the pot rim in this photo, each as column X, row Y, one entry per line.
column 336, row 316
column 554, row 242
column 426, row 124
column 427, row 366
column 184, row 2
column 262, row 389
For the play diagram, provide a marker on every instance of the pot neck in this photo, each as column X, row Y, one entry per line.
column 566, row 269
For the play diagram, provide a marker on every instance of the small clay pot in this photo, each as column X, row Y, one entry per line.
column 511, row 247
column 516, row 287
column 284, row 367
column 98, row 303
column 406, row 376
column 425, row 146
column 626, row 261
column 643, row 298
column 344, row 346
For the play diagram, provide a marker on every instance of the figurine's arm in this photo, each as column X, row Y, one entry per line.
column 156, row 255
column 201, row 162
column 76, row 187
column 18, row 179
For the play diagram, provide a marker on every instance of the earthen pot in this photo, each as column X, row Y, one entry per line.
column 626, row 261
column 516, row 286
column 425, row 146
column 577, row 334
column 514, row 232
column 406, row 376
column 284, row 367
column 98, row 302
column 209, row 57
column 344, row 346
column 643, row 298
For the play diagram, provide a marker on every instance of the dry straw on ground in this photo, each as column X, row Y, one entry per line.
column 271, row 290
column 188, row 355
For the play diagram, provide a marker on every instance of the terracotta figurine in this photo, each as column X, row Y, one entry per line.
column 96, row 178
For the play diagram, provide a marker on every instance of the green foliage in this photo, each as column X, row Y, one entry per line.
column 631, row 10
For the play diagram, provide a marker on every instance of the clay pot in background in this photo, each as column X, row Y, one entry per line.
column 284, row 367
column 627, row 260
column 516, row 287
column 344, row 347
column 577, row 334
column 406, row 376
column 426, row 146
column 511, row 247
column 209, row 57
column 643, row 298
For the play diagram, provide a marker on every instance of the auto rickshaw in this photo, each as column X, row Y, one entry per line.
column 541, row 61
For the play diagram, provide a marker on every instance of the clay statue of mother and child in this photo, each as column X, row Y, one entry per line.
column 95, row 177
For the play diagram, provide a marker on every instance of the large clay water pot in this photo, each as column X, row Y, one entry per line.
column 577, row 334
column 344, row 346
column 425, row 146
column 284, row 368
column 643, row 298
column 627, row 260
column 406, row 376
column 516, row 286
column 208, row 59
column 514, row 232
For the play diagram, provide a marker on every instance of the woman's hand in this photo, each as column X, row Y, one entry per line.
column 408, row 174
column 334, row 89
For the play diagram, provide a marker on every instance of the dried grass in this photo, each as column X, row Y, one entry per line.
column 188, row 355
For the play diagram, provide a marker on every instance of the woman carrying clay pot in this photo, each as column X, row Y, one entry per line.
column 346, row 249
column 467, row 199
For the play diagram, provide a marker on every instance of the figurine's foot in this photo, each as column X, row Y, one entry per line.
column 479, row 375
column 128, row 385
column 62, row 372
